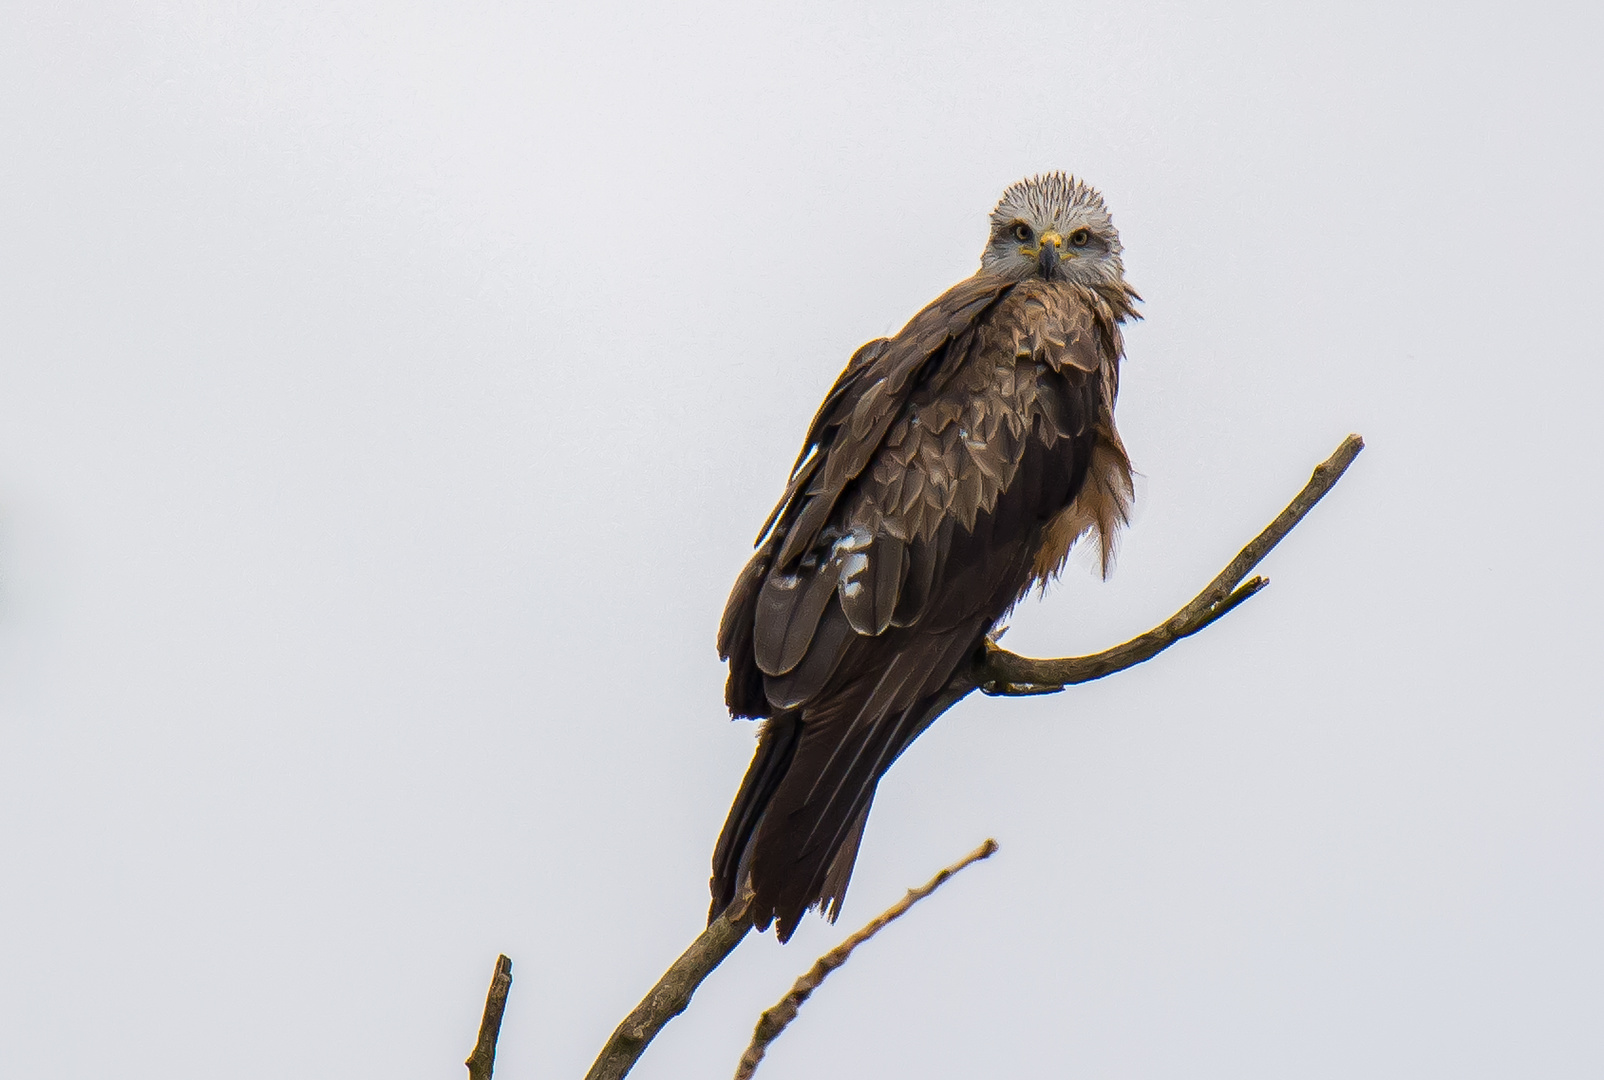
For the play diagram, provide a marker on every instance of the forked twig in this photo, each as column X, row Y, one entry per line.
column 999, row 671
column 775, row 1020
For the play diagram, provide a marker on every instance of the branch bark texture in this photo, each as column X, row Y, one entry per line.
column 482, row 1062
column 775, row 1020
column 999, row 671
column 672, row 993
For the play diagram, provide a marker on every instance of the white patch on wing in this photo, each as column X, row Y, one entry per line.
column 856, row 540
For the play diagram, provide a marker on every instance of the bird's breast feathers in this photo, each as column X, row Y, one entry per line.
column 1042, row 364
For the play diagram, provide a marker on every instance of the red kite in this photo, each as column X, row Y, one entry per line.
column 951, row 468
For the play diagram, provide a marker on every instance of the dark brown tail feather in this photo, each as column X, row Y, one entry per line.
column 801, row 845
column 834, row 892
column 822, row 879
column 840, row 872
column 775, row 748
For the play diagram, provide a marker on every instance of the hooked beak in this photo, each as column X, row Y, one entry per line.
column 1047, row 255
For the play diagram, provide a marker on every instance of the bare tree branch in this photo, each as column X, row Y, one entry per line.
column 482, row 1062
column 673, row 991
column 775, row 1020
column 998, row 671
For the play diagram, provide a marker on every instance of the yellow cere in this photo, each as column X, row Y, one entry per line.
column 1048, row 238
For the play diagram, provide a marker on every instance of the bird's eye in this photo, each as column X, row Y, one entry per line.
column 1021, row 232
column 1079, row 238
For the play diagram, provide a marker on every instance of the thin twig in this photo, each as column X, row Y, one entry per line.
column 998, row 671
column 673, row 991
column 482, row 1062
column 775, row 1020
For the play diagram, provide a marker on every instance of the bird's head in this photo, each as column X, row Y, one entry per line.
column 1055, row 227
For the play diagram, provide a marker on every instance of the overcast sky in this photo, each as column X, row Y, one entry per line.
column 390, row 393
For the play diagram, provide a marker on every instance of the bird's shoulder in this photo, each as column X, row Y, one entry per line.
column 931, row 419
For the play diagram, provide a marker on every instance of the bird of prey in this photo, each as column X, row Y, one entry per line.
column 950, row 469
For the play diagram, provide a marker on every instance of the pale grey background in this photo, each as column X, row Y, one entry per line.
column 390, row 394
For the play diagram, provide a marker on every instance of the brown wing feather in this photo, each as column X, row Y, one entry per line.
column 916, row 516
column 844, row 436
